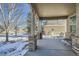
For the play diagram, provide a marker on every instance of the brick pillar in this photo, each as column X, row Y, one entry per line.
column 39, row 26
column 67, row 28
column 39, row 30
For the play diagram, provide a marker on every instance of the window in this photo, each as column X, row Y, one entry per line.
column 73, row 24
column 55, row 22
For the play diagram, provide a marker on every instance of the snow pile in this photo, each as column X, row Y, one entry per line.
column 14, row 49
column 65, row 42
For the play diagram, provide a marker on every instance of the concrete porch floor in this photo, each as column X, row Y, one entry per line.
column 52, row 47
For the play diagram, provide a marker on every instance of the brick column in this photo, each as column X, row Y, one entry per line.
column 39, row 26
column 67, row 28
column 39, row 29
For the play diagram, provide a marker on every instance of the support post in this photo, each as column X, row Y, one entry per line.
column 67, row 28
column 32, row 37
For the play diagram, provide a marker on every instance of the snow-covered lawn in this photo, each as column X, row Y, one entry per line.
column 19, row 48
column 14, row 38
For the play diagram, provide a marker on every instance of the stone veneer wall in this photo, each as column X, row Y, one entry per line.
column 77, row 19
column 75, row 38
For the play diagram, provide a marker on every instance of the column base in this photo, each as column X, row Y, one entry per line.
column 32, row 43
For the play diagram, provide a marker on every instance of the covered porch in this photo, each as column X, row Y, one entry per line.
column 57, row 11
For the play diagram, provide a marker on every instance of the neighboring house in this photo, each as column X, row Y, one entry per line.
column 55, row 27
column 56, row 30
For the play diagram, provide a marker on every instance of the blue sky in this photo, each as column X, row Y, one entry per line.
column 23, row 18
column 26, row 9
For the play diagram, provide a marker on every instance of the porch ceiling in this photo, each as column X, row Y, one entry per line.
column 55, row 9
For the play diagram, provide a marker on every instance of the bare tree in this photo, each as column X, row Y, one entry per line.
column 9, row 17
column 29, row 22
column 1, row 29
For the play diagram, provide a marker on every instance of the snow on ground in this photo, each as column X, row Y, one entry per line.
column 17, row 46
column 65, row 42
column 13, row 49
column 53, row 37
column 2, row 39
column 14, row 38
